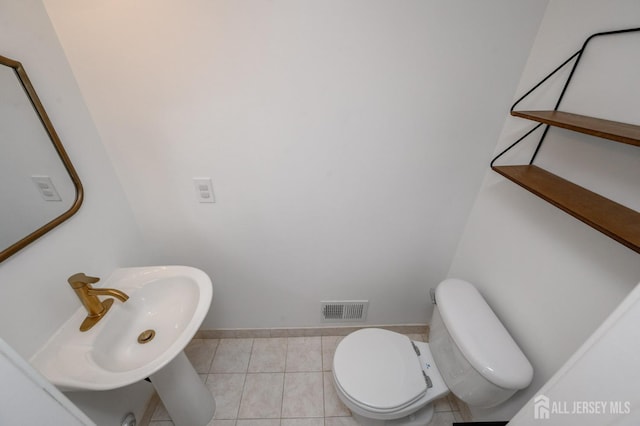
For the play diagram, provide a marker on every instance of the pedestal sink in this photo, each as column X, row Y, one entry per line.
column 143, row 337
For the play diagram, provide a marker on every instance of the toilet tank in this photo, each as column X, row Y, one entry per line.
column 476, row 355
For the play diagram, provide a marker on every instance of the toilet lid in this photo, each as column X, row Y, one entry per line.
column 379, row 369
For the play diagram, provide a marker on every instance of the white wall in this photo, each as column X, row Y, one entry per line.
column 346, row 140
column 597, row 374
column 551, row 279
column 35, row 298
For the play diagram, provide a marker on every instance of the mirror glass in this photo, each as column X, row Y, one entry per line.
column 38, row 184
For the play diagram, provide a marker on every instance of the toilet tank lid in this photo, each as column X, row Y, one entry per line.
column 480, row 335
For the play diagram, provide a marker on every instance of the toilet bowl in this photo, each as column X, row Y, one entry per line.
column 398, row 389
column 384, row 378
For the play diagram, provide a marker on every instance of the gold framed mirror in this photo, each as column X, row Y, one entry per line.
column 39, row 186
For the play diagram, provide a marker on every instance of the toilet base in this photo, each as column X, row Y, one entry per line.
column 422, row 417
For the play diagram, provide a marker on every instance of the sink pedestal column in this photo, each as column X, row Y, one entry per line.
column 187, row 400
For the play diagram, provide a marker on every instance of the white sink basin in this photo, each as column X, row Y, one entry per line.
column 171, row 300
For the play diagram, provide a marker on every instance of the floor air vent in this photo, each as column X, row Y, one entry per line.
column 344, row 310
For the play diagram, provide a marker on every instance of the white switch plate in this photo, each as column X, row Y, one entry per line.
column 46, row 188
column 204, row 190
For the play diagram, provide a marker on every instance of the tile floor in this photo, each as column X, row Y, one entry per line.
column 277, row 382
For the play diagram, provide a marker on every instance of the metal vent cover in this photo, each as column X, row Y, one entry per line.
column 344, row 310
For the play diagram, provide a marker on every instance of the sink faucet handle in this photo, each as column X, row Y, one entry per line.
column 80, row 280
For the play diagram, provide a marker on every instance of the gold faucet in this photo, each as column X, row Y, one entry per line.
column 88, row 295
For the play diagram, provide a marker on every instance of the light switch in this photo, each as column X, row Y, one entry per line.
column 46, row 188
column 204, row 190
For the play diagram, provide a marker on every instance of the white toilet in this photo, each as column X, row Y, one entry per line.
column 385, row 378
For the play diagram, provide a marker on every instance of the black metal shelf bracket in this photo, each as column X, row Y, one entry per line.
column 577, row 56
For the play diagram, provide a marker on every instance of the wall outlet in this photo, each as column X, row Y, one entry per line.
column 46, row 188
column 204, row 190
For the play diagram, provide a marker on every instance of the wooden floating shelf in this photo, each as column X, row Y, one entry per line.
column 612, row 219
column 607, row 129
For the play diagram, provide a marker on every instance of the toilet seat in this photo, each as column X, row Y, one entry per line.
column 397, row 380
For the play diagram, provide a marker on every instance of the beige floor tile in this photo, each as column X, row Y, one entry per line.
column 443, row 418
column 442, row 404
column 311, row 421
column 341, row 421
column 216, row 422
column 268, row 355
column 232, row 356
column 160, row 413
column 227, row 391
column 200, row 353
column 262, row 396
column 304, row 354
column 416, row 337
column 278, row 382
column 303, row 395
column 329, row 344
column 258, row 422
column 333, row 407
